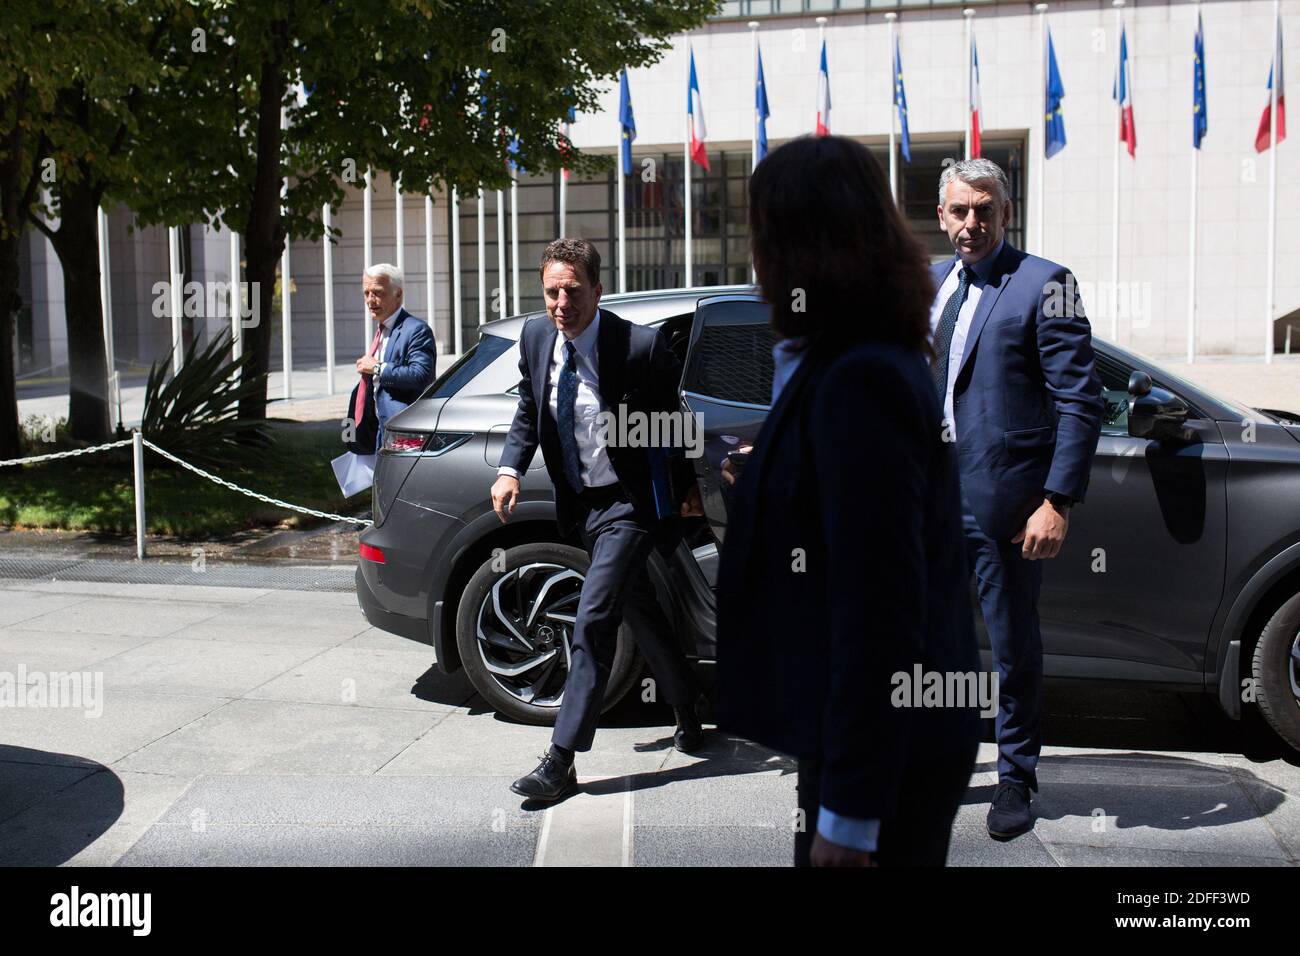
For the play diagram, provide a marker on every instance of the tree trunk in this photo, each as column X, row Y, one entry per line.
column 9, row 247
column 77, row 245
column 264, row 236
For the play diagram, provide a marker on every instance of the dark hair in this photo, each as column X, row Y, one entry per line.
column 832, row 253
column 575, row 252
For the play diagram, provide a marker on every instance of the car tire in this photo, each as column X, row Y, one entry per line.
column 1275, row 666
column 495, row 606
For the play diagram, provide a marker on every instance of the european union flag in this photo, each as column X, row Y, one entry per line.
column 900, row 100
column 628, row 124
column 1054, row 118
column 760, row 105
column 1200, row 122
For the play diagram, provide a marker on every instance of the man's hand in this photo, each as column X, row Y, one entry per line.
column 505, row 492
column 730, row 472
column 826, row 853
column 366, row 364
column 693, row 506
column 1044, row 533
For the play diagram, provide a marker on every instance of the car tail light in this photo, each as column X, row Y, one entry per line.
column 398, row 442
column 371, row 553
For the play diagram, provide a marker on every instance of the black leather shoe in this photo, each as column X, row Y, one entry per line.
column 552, row 780
column 689, row 735
column 1009, row 814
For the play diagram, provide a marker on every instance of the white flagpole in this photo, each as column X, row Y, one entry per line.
column 514, row 244
column 399, row 223
column 428, row 260
column 106, row 306
column 482, row 262
column 174, row 264
column 1114, row 220
column 501, row 253
column 753, row 139
column 622, row 213
column 329, row 300
column 236, row 299
column 893, row 112
column 686, row 155
column 1270, row 282
column 564, row 197
column 1191, row 256
column 966, row 15
column 286, row 308
column 821, row 38
column 368, row 250
column 1040, row 198
column 456, row 333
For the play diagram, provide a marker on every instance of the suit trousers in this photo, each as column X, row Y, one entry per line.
column 920, row 834
column 616, row 586
column 1008, row 586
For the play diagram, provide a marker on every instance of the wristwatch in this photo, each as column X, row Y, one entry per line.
column 1060, row 502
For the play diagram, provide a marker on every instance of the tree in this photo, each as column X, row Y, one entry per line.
column 424, row 89
column 50, row 49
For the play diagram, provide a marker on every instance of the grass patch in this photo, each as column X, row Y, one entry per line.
column 96, row 492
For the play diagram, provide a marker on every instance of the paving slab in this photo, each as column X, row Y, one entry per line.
column 91, row 823
column 1069, row 854
column 200, row 668
column 19, row 606
column 262, row 736
column 254, row 622
column 150, row 592
column 130, row 720
column 60, row 650
column 122, row 616
column 369, row 677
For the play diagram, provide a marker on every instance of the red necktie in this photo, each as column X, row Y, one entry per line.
column 359, row 409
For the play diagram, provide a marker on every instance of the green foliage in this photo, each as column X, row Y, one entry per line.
column 193, row 414
column 96, row 493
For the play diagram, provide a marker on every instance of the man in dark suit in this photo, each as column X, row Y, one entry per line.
column 1021, row 397
column 576, row 363
column 401, row 360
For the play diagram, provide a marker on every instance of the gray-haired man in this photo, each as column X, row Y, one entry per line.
column 402, row 357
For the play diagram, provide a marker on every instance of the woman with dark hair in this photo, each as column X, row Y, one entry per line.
column 845, row 631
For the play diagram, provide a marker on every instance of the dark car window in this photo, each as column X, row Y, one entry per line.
column 479, row 357
column 1114, row 391
column 732, row 359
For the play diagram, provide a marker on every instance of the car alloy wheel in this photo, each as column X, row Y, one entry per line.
column 524, row 631
column 1294, row 672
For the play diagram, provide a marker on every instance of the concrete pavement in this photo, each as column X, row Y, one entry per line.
column 250, row 725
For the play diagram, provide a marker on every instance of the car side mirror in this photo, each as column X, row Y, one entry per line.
column 1156, row 413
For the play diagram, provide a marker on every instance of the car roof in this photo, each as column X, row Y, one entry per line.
column 643, row 308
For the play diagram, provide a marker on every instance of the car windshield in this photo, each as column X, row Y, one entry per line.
column 479, row 357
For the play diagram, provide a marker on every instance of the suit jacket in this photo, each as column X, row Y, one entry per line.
column 409, row 367
column 1027, row 398
column 843, row 565
column 637, row 369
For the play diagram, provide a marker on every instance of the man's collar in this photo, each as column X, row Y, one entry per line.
column 984, row 267
column 585, row 343
column 389, row 322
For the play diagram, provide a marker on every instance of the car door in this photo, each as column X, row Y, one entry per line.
column 1136, row 585
column 727, row 385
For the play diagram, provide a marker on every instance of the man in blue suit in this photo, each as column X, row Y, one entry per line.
column 1021, row 398
column 401, row 360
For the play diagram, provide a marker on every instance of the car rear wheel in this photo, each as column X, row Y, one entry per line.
column 514, row 629
column 1276, row 668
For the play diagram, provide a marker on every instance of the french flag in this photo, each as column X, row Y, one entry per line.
column 695, row 117
column 1123, row 94
column 1262, row 136
column 974, row 101
column 823, row 97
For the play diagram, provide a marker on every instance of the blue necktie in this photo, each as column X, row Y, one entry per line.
column 565, row 400
column 943, row 334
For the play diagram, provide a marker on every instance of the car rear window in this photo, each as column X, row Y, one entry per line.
column 479, row 357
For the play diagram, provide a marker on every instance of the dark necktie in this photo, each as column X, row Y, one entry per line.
column 943, row 334
column 565, row 400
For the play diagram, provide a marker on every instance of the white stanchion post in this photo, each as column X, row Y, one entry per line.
column 176, row 280
column 137, row 453
column 329, row 302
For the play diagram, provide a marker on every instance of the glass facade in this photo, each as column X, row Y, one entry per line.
column 656, row 235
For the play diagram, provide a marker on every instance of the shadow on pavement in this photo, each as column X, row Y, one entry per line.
column 53, row 806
